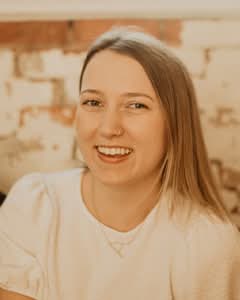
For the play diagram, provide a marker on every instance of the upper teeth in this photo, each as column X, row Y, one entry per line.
column 113, row 151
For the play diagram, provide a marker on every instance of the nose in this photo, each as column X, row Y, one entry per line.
column 111, row 124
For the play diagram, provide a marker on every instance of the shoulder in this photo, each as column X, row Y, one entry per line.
column 23, row 194
column 62, row 186
column 31, row 208
column 24, row 221
column 213, row 234
column 204, row 242
column 32, row 192
column 26, row 211
column 208, row 250
column 62, row 179
column 209, row 237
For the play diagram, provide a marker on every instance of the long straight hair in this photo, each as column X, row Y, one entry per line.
column 185, row 174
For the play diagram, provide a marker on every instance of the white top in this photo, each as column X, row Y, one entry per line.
column 51, row 248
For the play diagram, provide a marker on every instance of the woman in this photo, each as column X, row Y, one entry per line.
column 143, row 219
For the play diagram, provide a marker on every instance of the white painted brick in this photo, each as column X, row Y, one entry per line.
column 26, row 93
column 71, row 89
column 18, row 158
column 10, row 122
column 212, row 95
column 6, row 64
column 230, row 199
column 73, row 64
column 228, row 95
column 223, row 143
column 36, row 64
column 230, row 178
column 45, row 144
column 50, row 64
column 223, row 73
column 8, row 115
column 207, row 97
column 55, row 138
column 224, row 65
column 192, row 58
column 211, row 33
column 3, row 92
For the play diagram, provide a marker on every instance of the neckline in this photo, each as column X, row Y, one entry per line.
column 110, row 231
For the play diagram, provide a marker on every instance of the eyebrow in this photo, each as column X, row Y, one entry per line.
column 128, row 94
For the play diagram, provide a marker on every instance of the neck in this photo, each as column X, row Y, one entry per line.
column 119, row 207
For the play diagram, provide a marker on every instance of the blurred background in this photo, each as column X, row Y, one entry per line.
column 42, row 46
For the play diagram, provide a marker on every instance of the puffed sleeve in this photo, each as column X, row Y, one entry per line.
column 206, row 265
column 23, row 227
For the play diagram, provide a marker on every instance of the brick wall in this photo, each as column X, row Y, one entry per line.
column 40, row 64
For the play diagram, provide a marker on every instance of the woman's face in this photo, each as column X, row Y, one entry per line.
column 120, row 124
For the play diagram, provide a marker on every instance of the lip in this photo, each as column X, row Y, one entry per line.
column 114, row 159
column 112, row 146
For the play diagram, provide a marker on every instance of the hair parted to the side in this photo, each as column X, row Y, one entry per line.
column 185, row 173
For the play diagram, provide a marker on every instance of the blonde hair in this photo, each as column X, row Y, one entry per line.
column 185, row 172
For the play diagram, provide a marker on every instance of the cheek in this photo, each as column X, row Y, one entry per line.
column 154, row 139
column 150, row 131
column 85, row 125
column 160, row 137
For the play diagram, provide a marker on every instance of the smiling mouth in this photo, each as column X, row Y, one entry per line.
column 114, row 151
column 113, row 154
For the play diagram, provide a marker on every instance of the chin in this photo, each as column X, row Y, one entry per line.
column 109, row 178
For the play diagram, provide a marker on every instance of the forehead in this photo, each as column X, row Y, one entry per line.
column 108, row 70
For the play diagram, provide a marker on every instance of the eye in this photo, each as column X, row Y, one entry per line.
column 92, row 103
column 137, row 105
